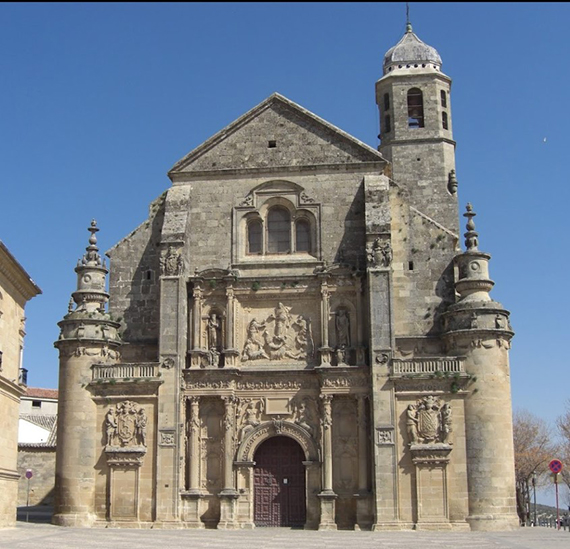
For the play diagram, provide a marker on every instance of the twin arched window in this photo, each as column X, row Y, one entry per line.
column 282, row 235
column 415, row 108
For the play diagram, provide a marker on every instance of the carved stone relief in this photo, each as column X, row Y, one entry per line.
column 171, row 262
column 250, row 416
column 379, row 253
column 304, row 414
column 281, row 335
column 126, row 426
column 428, row 421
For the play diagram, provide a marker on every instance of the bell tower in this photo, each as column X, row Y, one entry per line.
column 413, row 98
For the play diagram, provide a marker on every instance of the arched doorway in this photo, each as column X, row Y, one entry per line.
column 279, row 483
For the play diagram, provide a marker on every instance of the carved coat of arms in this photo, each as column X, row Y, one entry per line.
column 428, row 421
column 125, row 425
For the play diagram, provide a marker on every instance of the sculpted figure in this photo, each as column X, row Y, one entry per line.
column 111, row 427
column 342, row 326
column 214, row 357
column 253, row 348
column 341, row 355
column 412, row 423
column 282, row 320
column 140, row 427
column 251, row 419
column 303, row 416
column 445, row 423
column 171, row 262
column 214, row 331
column 386, row 254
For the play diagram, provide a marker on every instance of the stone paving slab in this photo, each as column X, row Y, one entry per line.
column 47, row 536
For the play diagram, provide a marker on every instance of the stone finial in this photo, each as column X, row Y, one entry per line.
column 452, row 182
column 92, row 256
column 471, row 240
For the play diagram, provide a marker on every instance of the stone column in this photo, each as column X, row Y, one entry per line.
column 191, row 498
column 196, row 352
column 194, row 450
column 363, row 516
column 325, row 315
column 327, row 495
column 230, row 352
column 229, row 494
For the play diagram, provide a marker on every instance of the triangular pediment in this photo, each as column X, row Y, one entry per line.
column 276, row 133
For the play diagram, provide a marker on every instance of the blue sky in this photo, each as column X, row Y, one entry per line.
column 100, row 100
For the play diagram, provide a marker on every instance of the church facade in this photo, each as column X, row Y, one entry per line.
column 294, row 336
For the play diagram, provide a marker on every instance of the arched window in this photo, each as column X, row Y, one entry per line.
column 443, row 99
column 254, row 244
column 302, row 236
column 415, row 108
column 278, row 231
column 444, row 120
column 386, row 101
column 387, row 124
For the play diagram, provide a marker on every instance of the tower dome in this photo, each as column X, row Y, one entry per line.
column 409, row 52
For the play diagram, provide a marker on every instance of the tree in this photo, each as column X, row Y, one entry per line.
column 563, row 424
column 534, row 448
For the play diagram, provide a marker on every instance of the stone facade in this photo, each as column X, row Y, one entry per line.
column 16, row 289
column 294, row 337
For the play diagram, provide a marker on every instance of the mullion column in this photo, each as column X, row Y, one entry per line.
column 327, row 496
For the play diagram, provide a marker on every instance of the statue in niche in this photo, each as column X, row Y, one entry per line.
column 214, row 331
column 254, row 344
column 303, row 416
column 342, row 326
column 110, row 427
column 251, row 418
column 412, row 423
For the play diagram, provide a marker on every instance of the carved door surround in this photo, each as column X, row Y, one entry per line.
column 279, row 483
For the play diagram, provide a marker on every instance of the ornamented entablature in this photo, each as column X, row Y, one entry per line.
column 277, row 222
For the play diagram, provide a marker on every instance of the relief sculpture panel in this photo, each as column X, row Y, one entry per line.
column 281, row 335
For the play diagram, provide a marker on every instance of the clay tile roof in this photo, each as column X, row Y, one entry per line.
column 36, row 392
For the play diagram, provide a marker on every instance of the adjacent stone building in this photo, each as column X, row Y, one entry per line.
column 16, row 289
column 294, row 336
column 36, row 446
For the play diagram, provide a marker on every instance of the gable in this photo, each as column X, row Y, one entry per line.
column 276, row 133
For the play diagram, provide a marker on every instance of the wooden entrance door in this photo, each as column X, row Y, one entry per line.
column 279, row 483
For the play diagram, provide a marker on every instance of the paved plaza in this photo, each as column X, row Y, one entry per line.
column 33, row 535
